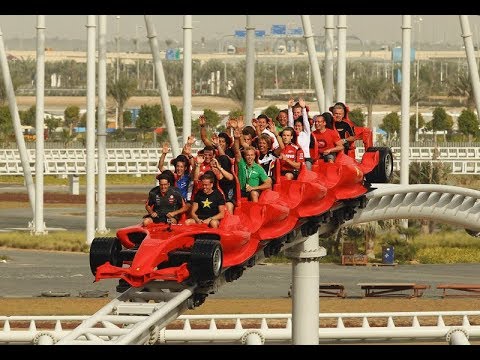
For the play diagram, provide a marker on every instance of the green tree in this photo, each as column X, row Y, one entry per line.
column 22, row 73
column 212, row 118
column 177, row 115
column 369, row 89
column 391, row 124
column 52, row 123
column 72, row 116
column 6, row 125
column 357, row 116
column 83, row 120
column 27, row 117
column 468, row 123
column 440, row 121
column 66, row 137
column 127, row 118
column 271, row 111
column 235, row 113
column 121, row 91
column 413, row 124
column 149, row 117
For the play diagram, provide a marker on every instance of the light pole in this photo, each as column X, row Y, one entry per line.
column 117, row 74
column 117, row 41
column 136, row 51
column 419, row 22
column 137, row 27
column 221, row 43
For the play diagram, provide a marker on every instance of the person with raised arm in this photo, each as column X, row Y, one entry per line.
column 181, row 173
column 252, row 177
column 222, row 168
column 221, row 142
column 291, row 156
column 298, row 119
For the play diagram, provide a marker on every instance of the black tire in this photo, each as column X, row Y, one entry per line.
column 206, row 260
column 473, row 233
column 382, row 173
column 122, row 286
column 105, row 249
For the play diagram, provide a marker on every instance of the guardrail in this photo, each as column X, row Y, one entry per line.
column 143, row 161
column 385, row 328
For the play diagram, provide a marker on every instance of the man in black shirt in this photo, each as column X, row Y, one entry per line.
column 345, row 130
column 208, row 204
column 164, row 204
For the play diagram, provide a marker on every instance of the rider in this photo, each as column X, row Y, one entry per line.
column 209, row 204
column 164, row 204
column 328, row 140
column 252, row 177
column 344, row 127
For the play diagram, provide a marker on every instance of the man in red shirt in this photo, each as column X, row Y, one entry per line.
column 291, row 157
column 328, row 140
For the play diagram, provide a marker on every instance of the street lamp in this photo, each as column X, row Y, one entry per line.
column 117, row 40
column 418, row 22
column 137, row 27
column 136, row 51
column 117, row 75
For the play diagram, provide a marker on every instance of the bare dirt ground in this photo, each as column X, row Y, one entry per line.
column 85, row 306
column 198, row 103
column 81, row 306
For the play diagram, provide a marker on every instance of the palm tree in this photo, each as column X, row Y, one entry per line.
column 22, row 72
column 369, row 89
column 121, row 90
column 417, row 94
column 462, row 86
column 237, row 92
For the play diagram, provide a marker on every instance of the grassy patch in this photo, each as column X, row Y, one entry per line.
column 438, row 248
column 443, row 247
column 56, row 241
column 58, row 180
column 447, row 255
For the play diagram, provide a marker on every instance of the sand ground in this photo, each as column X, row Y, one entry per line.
column 198, row 103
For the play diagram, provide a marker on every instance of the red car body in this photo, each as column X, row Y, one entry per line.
column 242, row 234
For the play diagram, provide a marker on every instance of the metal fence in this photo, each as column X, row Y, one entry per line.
column 144, row 160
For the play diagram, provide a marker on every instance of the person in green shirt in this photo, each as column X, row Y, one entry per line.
column 252, row 177
column 282, row 120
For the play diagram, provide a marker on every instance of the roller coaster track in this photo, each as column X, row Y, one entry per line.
column 131, row 318
column 140, row 315
column 337, row 328
column 450, row 204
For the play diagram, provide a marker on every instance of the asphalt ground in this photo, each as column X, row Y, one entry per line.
column 29, row 273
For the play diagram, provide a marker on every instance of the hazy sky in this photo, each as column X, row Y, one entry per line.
column 379, row 28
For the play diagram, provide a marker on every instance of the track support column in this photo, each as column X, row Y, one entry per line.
column 305, row 284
